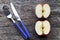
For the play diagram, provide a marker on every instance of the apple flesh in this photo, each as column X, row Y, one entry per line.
column 42, row 10
column 38, row 27
column 38, row 10
column 47, row 10
column 42, row 27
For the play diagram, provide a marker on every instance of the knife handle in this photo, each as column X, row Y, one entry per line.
column 24, row 28
column 20, row 30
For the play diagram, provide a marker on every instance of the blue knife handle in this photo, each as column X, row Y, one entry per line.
column 20, row 30
column 24, row 28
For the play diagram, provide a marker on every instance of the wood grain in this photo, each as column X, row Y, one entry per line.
column 26, row 10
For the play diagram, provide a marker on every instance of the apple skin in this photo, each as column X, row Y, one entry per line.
column 42, row 28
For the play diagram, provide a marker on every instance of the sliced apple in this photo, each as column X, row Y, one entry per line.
column 38, row 10
column 46, row 26
column 42, row 10
column 47, row 10
column 38, row 27
column 42, row 27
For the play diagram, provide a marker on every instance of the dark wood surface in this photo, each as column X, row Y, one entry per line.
column 26, row 10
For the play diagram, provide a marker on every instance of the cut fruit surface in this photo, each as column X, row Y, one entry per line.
column 38, row 27
column 47, row 10
column 42, row 27
column 38, row 10
column 46, row 25
column 42, row 10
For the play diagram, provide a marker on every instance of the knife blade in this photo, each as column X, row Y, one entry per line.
column 15, row 12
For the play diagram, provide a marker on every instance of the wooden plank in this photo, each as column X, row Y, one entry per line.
column 26, row 10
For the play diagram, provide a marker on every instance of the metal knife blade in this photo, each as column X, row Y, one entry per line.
column 15, row 12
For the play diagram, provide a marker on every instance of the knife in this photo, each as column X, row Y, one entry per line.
column 19, row 19
column 9, row 15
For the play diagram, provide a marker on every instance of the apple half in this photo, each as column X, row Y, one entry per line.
column 38, row 10
column 42, row 27
column 42, row 10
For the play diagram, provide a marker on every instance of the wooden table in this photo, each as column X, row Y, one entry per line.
column 26, row 10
